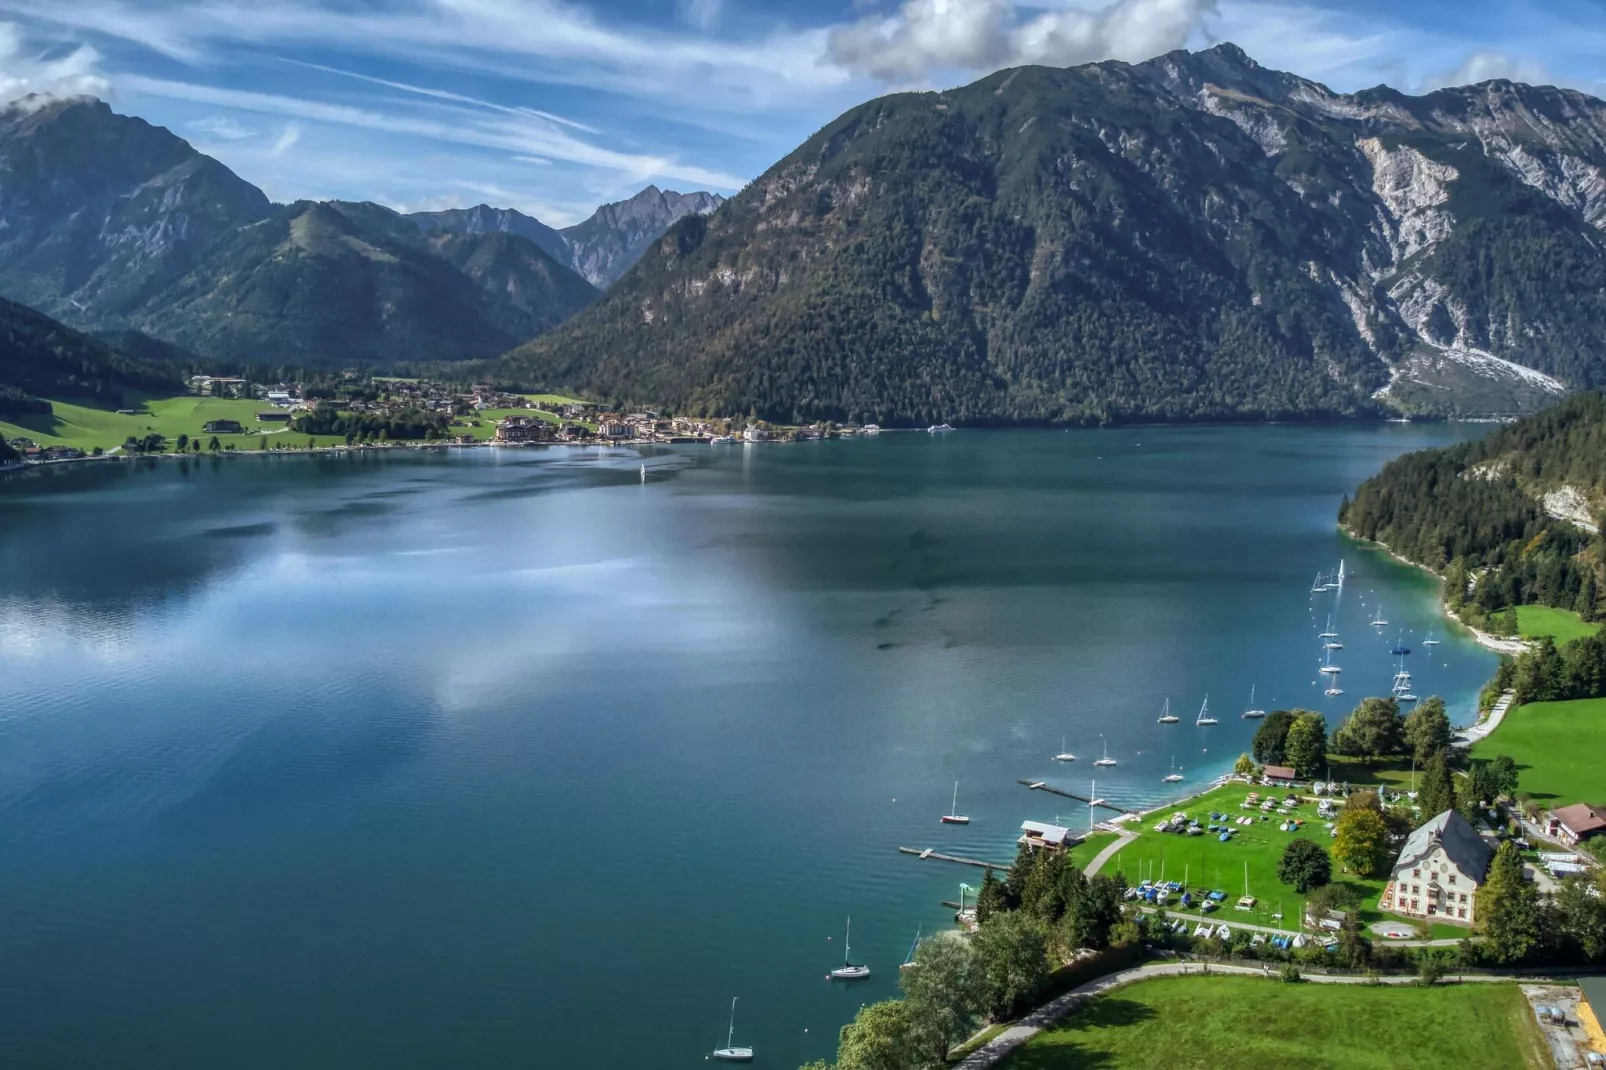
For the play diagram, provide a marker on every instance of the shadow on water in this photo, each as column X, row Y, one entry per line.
column 241, row 531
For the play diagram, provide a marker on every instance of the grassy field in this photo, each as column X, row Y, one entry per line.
column 1557, row 746
column 1088, row 849
column 1560, row 624
column 1250, row 1024
column 186, row 414
column 1204, row 861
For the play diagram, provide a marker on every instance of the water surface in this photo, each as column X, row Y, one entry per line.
column 507, row 759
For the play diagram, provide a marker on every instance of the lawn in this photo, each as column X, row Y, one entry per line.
column 1557, row 746
column 1204, row 861
column 1561, row 625
column 86, row 428
column 1088, row 849
column 1251, row 1024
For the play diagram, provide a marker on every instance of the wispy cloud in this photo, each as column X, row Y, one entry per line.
column 222, row 127
column 286, row 139
column 25, row 73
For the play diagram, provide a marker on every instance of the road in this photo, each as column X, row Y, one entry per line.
column 991, row 1053
column 1484, row 728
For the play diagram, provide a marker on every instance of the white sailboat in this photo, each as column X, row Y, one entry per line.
column 1327, row 665
column 1252, row 712
column 1106, row 760
column 849, row 970
column 1318, row 585
column 1166, row 716
column 953, row 816
column 1173, row 777
column 909, row 959
column 1064, row 755
column 1430, row 641
column 1381, row 620
column 1329, row 633
column 1204, row 717
column 644, row 473
column 730, row 1052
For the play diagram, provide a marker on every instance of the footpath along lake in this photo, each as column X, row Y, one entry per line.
column 508, row 759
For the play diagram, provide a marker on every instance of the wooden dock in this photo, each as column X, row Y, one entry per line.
column 1038, row 785
column 1001, row 867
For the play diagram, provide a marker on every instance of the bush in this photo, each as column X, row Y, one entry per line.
column 1304, row 865
column 1290, row 973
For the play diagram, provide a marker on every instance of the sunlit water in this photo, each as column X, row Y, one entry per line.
column 511, row 760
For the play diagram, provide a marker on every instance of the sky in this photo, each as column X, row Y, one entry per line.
column 555, row 106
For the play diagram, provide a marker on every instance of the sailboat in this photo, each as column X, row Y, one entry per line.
column 644, row 473
column 1251, row 713
column 953, row 816
column 1318, row 585
column 1430, row 641
column 1106, row 760
column 1333, row 688
column 849, row 970
column 1400, row 649
column 1329, row 633
column 1166, row 716
column 1064, row 755
column 1173, row 777
column 1381, row 621
column 1204, row 717
column 909, row 959
column 1328, row 666
column 730, row 1052
column 1402, row 684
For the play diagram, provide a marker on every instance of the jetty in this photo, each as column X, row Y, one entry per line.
column 1038, row 785
column 938, row 856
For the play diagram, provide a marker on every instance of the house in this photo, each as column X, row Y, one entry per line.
column 273, row 417
column 522, row 429
column 1038, row 834
column 1572, row 824
column 755, row 434
column 1279, row 774
column 221, row 427
column 615, row 429
column 1439, row 870
column 279, row 397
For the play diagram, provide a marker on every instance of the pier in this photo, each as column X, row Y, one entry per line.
column 1038, row 785
column 929, row 853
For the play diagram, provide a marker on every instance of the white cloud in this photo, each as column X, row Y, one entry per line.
column 221, row 127
column 514, row 134
column 925, row 37
column 76, row 74
column 286, row 139
column 1488, row 66
column 703, row 14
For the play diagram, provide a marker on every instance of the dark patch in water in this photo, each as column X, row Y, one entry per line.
column 360, row 509
column 885, row 646
column 242, row 531
column 397, row 493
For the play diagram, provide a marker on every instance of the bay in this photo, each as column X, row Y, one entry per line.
column 511, row 759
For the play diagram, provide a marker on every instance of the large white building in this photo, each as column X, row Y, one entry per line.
column 1439, row 870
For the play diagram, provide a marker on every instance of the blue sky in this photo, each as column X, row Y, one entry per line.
column 554, row 106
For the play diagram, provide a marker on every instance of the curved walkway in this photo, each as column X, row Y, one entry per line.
column 1124, row 837
column 993, row 1051
column 1485, row 728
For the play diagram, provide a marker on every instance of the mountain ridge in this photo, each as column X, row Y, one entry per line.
column 1195, row 236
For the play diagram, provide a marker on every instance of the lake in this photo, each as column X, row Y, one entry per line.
column 510, row 759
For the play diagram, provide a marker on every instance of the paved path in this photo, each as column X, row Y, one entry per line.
column 991, row 1053
column 1484, row 728
column 1231, row 923
column 1124, row 837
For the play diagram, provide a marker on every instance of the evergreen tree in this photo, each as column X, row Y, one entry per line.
column 1436, row 790
column 1508, row 908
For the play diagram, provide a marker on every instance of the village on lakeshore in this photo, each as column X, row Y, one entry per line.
column 229, row 414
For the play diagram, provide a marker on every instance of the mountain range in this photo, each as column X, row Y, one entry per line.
column 111, row 224
column 1192, row 237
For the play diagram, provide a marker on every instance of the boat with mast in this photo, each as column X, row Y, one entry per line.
column 1327, row 665
column 1173, row 777
column 909, row 959
column 1166, row 716
column 849, row 970
column 1430, row 641
column 1252, row 712
column 1064, row 755
column 1318, row 585
column 1329, row 633
column 1381, row 621
column 953, row 816
column 1402, row 683
column 730, row 1053
column 1400, row 649
column 1106, row 760
column 1204, row 717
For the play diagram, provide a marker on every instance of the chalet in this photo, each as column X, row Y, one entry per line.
column 1576, row 823
column 1439, row 870
column 221, row 427
column 1036, row 834
column 273, row 417
column 1281, row 775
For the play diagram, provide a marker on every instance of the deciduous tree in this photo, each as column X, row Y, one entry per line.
column 1374, row 730
column 1427, row 729
column 880, row 1037
column 1307, row 743
column 1361, row 845
column 1304, row 865
column 946, row 990
column 1013, row 948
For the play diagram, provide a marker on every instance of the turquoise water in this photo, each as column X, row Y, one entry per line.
column 511, row 760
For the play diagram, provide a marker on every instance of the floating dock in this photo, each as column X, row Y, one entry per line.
column 929, row 853
column 1038, row 785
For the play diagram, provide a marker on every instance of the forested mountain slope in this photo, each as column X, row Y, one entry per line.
column 1191, row 237
column 40, row 358
column 1513, row 515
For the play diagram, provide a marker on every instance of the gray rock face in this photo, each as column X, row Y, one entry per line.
column 605, row 246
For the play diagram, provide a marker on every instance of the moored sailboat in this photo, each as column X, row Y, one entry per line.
column 730, row 1053
column 1204, row 717
column 1166, row 716
column 1106, row 760
column 1064, row 755
column 849, row 970
column 953, row 816
column 1172, row 777
column 1252, row 712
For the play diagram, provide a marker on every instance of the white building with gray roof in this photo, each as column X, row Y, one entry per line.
column 1439, row 870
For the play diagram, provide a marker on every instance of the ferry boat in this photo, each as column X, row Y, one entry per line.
column 935, row 429
column 719, row 440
